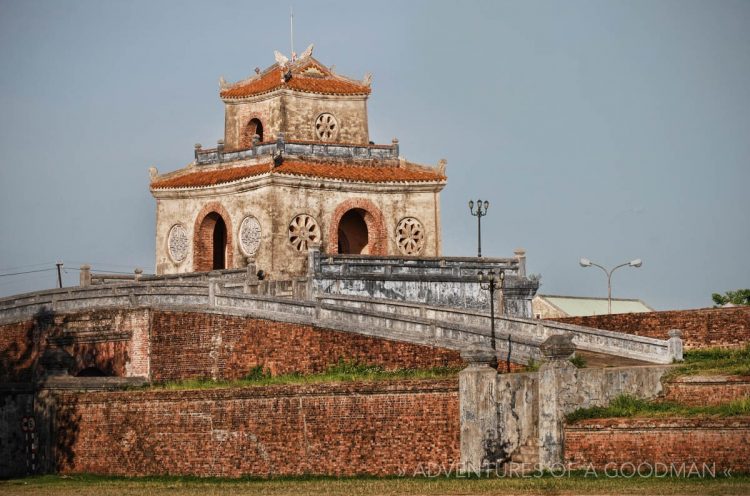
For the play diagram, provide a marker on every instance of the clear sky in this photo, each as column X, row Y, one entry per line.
column 612, row 130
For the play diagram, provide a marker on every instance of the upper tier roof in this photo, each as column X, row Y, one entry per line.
column 303, row 74
column 406, row 173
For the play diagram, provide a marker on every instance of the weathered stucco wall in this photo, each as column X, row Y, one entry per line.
column 294, row 114
column 276, row 205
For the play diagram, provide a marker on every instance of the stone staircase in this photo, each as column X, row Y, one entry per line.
column 524, row 460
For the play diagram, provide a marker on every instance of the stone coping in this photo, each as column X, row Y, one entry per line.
column 660, row 423
column 406, row 386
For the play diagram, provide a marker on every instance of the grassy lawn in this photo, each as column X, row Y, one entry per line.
column 715, row 361
column 343, row 371
column 628, row 406
column 568, row 485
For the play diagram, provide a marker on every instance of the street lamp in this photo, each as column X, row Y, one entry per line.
column 491, row 282
column 480, row 212
column 585, row 262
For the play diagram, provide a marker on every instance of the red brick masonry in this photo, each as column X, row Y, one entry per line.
column 346, row 429
column 705, row 327
column 723, row 443
column 192, row 344
column 707, row 390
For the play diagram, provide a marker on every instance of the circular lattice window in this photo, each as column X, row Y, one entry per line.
column 303, row 231
column 410, row 236
column 250, row 235
column 178, row 243
column 326, row 127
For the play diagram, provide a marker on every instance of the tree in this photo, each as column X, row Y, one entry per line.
column 737, row 297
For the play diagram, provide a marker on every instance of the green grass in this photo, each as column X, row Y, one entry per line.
column 715, row 361
column 578, row 361
column 575, row 483
column 342, row 371
column 628, row 406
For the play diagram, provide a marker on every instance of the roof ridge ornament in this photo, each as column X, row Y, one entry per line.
column 308, row 52
column 280, row 58
column 367, row 80
column 223, row 83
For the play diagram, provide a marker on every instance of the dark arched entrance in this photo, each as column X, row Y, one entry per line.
column 211, row 253
column 251, row 129
column 91, row 372
column 352, row 233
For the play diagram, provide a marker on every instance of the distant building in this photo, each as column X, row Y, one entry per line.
column 554, row 306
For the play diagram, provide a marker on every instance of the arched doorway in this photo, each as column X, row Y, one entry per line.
column 251, row 129
column 357, row 226
column 212, row 243
column 352, row 231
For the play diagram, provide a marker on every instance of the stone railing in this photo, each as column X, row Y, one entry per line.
column 534, row 331
column 301, row 148
column 421, row 324
column 435, row 281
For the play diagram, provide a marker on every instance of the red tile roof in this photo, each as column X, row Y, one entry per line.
column 272, row 79
column 346, row 172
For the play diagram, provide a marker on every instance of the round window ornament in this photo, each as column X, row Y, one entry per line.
column 250, row 235
column 410, row 236
column 303, row 231
column 178, row 243
column 326, row 127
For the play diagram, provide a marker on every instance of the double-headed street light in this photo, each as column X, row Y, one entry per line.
column 491, row 282
column 479, row 213
column 585, row 262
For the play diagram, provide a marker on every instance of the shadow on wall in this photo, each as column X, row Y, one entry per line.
column 19, row 356
column 65, row 429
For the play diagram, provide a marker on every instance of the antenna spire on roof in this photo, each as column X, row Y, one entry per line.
column 291, row 31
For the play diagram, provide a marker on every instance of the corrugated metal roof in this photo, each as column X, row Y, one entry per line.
column 579, row 306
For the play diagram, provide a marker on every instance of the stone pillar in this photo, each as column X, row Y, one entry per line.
column 313, row 266
column 138, row 273
column 675, row 344
column 85, row 275
column 520, row 254
column 478, row 410
column 252, row 270
column 556, row 375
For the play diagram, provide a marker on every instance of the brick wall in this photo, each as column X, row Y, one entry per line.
column 705, row 327
column 192, row 344
column 18, row 351
column 707, row 390
column 113, row 341
column 343, row 429
column 609, row 443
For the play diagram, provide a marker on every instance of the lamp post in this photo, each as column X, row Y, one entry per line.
column 480, row 212
column 491, row 282
column 585, row 262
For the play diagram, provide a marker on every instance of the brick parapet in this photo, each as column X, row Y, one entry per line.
column 703, row 327
column 609, row 444
column 344, row 429
column 707, row 390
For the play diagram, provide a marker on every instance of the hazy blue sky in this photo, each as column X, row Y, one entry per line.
column 606, row 129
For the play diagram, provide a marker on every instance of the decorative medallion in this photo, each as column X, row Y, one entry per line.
column 303, row 231
column 326, row 127
column 249, row 235
column 410, row 236
column 178, row 243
